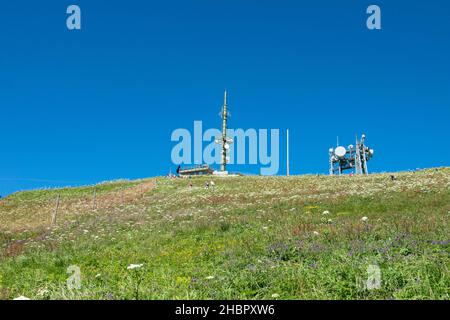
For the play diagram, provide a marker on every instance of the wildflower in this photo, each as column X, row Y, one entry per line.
column 265, row 228
column 443, row 243
column 194, row 280
column 326, row 212
column 21, row 298
column 42, row 292
column 98, row 275
column 252, row 267
column 364, row 219
column 315, row 233
column 275, row 295
column 135, row 266
column 209, row 277
column 109, row 296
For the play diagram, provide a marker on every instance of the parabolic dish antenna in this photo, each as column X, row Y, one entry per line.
column 227, row 146
column 340, row 152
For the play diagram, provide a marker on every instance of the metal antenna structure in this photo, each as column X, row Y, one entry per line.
column 287, row 153
column 352, row 157
column 224, row 141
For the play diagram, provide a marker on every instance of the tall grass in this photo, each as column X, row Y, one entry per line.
column 247, row 238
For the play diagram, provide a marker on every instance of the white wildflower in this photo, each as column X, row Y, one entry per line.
column 210, row 277
column 21, row 298
column 42, row 292
column 364, row 219
column 315, row 233
column 135, row 266
column 326, row 212
column 275, row 295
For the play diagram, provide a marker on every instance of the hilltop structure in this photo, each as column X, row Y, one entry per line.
column 224, row 141
column 354, row 157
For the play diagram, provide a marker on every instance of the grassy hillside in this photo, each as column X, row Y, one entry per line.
column 247, row 238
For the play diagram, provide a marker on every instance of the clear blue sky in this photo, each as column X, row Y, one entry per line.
column 86, row 106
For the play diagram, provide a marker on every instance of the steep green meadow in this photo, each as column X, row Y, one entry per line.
column 250, row 237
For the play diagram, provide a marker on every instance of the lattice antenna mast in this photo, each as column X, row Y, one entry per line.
column 358, row 160
column 224, row 141
column 331, row 157
column 352, row 157
column 223, row 166
column 364, row 151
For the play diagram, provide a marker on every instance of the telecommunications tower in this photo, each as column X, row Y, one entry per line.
column 354, row 157
column 224, row 140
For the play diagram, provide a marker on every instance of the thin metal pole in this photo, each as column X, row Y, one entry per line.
column 287, row 152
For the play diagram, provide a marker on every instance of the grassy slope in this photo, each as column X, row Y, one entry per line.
column 249, row 237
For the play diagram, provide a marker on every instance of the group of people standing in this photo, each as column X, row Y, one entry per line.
column 208, row 184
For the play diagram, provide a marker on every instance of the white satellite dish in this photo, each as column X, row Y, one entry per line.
column 227, row 146
column 340, row 152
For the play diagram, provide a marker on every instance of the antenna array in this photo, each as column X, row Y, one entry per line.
column 224, row 141
column 352, row 157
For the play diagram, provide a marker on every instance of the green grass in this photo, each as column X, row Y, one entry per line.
column 248, row 238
